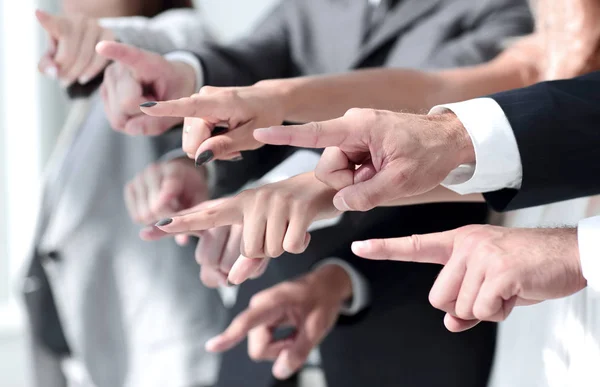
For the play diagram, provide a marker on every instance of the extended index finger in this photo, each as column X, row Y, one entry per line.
column 428, row 248
column 312, row 135
column 199, row 106
column 241, row 325
column 225, row 214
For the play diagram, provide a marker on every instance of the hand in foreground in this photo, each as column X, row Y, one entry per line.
column 241, row 109
column 72, row 53
column 399, row 154
column 487, row 269
column 275, row 219
column 137, row 76
column 165, row 188
column 310, row 304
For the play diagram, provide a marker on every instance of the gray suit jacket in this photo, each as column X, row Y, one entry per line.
column 134, row 313
column 306, row 37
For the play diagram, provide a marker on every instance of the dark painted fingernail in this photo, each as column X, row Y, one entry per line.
column 164, row 222
column 204, row 158
column 229, row 284
column 238, row 158
column 149, row 104
column 218, row 130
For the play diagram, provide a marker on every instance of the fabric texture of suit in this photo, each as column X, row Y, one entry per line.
column 401, row 338
column 556, row 127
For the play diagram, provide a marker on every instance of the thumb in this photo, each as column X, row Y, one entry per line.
column 428, row 248
column 365, row 195
column 49, row 22
column 141, row 63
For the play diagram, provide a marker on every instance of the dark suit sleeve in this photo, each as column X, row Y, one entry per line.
column 557, row 128
column 264, row 54
column 482, row 35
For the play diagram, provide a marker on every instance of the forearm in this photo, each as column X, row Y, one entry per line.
column 437, row 195
column 320, row 98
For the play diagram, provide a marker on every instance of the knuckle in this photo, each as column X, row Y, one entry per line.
column 294, row 246
column 206, row 90
column 258, row 299
column 437, row 300
column 256, row 353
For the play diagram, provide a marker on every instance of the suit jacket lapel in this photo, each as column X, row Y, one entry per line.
column 401, row 17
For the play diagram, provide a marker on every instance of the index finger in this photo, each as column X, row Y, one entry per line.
column 225, row 214
column 49, row 22
column 241, row 325
column 200, row 106
column 312, row 135
column 428, row 248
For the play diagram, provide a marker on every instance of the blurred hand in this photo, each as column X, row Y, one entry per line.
column 310, row 304
column 165, row 188
column 218, row 250
column 135, row 77
column 487, row 269
column 399, row 154
column 72, row 54
column 571, row 36
column 241, row 109
column 275, row 219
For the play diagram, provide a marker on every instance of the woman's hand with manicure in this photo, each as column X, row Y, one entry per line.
column 274, row 219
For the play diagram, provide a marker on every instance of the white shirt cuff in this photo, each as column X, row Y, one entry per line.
column 588, row 237
column 498, row 162
column 360, row 287
column 190, row 59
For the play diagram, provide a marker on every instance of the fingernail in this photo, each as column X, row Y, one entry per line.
column 187, row 129
column 218, row 130
column 211, row 343
column 164, row 222
column 282, row 371
column 340, row 203
column 204, row 158
column 262, row 130
column 229, row 283
column 238, row 158
column 148, row 104
column 64, row 84
column 83, row 79
column 51, row 72
column 358, row 246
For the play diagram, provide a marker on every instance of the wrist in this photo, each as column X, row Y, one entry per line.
column 185, row 78
column 456, row 137
column 284, row 92
column 333, row 281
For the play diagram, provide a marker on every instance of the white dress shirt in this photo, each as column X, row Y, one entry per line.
column 498, row 165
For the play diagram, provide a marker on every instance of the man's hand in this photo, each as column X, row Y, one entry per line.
column 487, row 269
column 240, row 109
column 310, row 304
column 72, row 56
column 165, row 188
column 378, row 156
column 135, row 77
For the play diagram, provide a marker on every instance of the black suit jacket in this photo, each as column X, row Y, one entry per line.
column 557, row 128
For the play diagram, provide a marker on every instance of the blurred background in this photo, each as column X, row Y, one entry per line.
column 32, row 110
